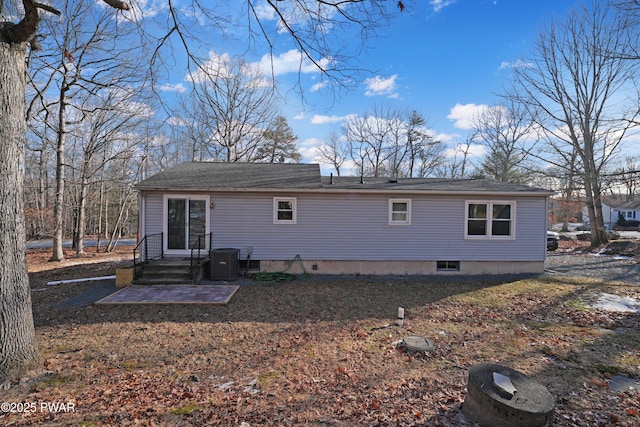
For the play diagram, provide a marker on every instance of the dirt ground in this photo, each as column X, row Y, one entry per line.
column 320, row 352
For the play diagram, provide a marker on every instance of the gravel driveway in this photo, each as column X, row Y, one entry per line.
column 602, row 267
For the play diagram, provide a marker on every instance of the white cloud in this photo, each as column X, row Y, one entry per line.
column 463, row 115
column 298, row 14
column 125, row 101
column 177, row 121
column 224, row 66
column 309, row 149
column 316, row 87
column 265, row 12
column 381, row 86
column 217, row 65
column 323, row 120
column 515, row 64
column 311, row 142
column 446, row 137
column 178, row 88
column 474, row 150
column 438, row 5
column 291, row 61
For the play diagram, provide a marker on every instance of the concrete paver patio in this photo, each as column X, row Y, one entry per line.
column 172, row 294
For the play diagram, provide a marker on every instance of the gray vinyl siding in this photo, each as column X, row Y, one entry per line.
column 356, row 227
column 153, row 214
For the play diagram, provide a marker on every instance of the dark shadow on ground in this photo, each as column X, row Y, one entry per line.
column 308, row 298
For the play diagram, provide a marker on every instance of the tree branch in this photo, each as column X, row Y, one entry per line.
column 47, row 8
column 26, row 28
column 117, row 4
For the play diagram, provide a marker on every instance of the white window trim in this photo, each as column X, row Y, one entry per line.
column 294, row 204
column 405, row 222
column 165, row 225
column 489, row 204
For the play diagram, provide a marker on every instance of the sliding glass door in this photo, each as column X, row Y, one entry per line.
column 186, row 220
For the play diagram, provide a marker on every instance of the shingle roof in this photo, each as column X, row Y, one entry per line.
column 427, row 184
column 203, row 176
column 629, row 205
column 218, row 176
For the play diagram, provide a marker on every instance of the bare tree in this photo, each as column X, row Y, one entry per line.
column 372, row 138
column 232, row 100
column 430, row 157
column 106, row 133
column 506, row 132
column 388, row 141
column 627, row 176
column 193, row 128
column 577, row 86
column 37, row 186
column 78, row 60
column 458, row 163
column 333, row 152
column 630, row 177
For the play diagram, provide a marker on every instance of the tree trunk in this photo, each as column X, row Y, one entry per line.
column 42, row 194
column 58, row 210
column 594, row 203
column 82, row 213
column 100, row 203
column 17, row 334
column 122, row 215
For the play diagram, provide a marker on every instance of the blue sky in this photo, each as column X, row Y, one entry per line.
column 444, row 58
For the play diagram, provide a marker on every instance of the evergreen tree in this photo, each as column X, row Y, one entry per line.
column 279, row 143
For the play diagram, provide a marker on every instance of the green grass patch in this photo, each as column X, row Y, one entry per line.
column 52, row 380
column 267, row 378
column 186, row 410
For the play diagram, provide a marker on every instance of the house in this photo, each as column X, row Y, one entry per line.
column 273, row 213
column 613, row 208
column 629, row 210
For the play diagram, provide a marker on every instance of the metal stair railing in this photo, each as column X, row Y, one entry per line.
column 150, row 247
column 202, row 243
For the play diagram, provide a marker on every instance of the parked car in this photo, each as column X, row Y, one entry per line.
column 552, row 240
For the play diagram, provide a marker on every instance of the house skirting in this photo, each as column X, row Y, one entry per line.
column 406, row 267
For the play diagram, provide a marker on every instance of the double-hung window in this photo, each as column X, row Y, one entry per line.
column 284, row 210
column 399, row 211
column 490, row 220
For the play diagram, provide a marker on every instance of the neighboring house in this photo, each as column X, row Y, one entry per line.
column 275, row 212
column 629, row 210
column 611, row 210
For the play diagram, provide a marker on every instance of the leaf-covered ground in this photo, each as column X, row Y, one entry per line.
column 322, row 352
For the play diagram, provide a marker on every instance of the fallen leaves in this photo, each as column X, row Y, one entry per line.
column 333, row 360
